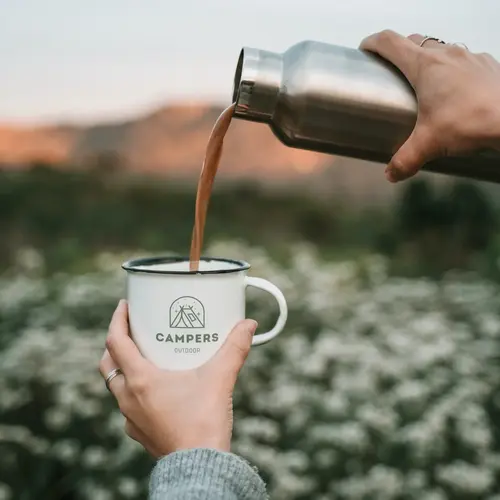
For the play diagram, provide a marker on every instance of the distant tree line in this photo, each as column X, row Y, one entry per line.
column 71, row 214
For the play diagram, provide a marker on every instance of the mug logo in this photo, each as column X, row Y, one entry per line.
column 187, row 312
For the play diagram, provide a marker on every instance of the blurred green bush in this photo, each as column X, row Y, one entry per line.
column 71, row 215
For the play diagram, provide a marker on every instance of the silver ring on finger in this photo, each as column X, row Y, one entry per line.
column 461, row 45
column 429, row 39
column 111, row 375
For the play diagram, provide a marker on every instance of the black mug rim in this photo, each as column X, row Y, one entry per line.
column 133, row 264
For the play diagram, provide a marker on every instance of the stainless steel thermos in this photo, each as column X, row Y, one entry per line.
column 341, row 101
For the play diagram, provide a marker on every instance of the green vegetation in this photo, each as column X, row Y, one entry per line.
column 381, row 387
column 70, row 216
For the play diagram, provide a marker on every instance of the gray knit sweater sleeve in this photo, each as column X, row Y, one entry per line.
column 204, row 474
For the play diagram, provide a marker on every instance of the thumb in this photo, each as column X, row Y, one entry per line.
column 411, row 156
column 232, row 355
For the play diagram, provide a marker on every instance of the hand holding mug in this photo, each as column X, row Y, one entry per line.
column 167, row 411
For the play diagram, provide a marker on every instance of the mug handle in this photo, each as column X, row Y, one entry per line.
column 262, row 284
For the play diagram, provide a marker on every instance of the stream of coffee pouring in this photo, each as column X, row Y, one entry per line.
column 205, row 184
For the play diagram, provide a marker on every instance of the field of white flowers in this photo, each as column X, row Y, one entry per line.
column 380, row 388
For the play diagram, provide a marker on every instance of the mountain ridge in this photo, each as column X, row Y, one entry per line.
column 170, row 141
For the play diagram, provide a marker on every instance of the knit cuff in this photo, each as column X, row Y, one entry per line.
column 201, row 473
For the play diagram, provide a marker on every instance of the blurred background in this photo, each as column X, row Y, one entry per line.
column 385, row 384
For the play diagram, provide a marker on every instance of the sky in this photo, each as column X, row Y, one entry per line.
column 92, row 60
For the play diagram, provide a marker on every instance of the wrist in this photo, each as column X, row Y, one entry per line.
column 216, row 444
column 209, row 444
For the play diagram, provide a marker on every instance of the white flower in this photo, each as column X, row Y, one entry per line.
column 385, row 482
column 348, row 436
column 5, row 492
column 128, row 487
column 57, row 418
column 29, row 260
column 258, row 428
column 66, row 450
column 435, row 494
column 465, row 479
column 94, row 457
column 93, row 491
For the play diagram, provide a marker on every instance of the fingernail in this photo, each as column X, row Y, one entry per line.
column 391, row 174
column 251, row 325
column 390, row 177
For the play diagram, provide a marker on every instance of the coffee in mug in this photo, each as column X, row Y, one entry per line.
column 180, row 318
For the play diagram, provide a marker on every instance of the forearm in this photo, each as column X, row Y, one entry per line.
column 203, row 474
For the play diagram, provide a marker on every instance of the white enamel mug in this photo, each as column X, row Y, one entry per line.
column 179, row 318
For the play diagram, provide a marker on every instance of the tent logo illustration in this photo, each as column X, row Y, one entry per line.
column 187, row 312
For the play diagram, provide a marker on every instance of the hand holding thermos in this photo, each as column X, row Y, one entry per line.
column 458, row 99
